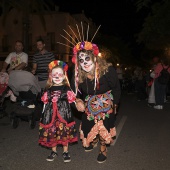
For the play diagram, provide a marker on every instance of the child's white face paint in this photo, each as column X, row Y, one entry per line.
column 57, row 75
column 85, row 62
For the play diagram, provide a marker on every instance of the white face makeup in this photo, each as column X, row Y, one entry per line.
column 85, row 62
column 57, row 76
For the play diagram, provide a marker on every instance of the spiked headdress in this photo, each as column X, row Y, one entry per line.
column 79, row 45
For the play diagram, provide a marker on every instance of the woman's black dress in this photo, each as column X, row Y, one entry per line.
column 99, row 117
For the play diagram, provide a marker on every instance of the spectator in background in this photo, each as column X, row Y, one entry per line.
column 17, row 60
column 135, row 76
column 40, row 63
column 120, row 75
column 151, row 95
column 141, row 84
column 160, row 89
column 156, row 60
column 167, row 54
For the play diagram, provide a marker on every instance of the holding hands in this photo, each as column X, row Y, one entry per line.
column 80, row 105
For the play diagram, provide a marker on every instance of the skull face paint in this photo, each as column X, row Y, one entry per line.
column 57, row 76
column 85, row 62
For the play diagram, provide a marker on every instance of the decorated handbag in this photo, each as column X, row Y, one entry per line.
column 99, row 106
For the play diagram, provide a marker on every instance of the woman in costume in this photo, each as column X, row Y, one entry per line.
column 98, row 94
column 57, row 126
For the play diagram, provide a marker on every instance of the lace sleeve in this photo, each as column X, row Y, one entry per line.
column 71, row 96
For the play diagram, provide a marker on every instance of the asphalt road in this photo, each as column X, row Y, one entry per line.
column 143, row 143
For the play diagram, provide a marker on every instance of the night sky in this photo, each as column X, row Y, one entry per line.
column 118, row 17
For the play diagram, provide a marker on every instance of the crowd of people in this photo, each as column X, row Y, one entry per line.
column 159, row 90
column 145, row 82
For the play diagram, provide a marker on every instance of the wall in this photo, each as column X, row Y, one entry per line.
column 56, row 25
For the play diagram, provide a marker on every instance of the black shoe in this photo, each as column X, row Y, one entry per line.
column 101, row 157
column 51, row 156
column 66, row 157
column 88, row 149
column 91, row 147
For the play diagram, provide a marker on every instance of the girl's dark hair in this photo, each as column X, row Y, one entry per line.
column 40, row 40
column 19, row 41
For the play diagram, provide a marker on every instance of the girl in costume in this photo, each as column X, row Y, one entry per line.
column 57, row 126
column 98, row 93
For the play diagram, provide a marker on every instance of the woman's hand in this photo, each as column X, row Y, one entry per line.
column 80, row 105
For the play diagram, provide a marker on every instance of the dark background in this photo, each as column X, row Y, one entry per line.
column 118, row 18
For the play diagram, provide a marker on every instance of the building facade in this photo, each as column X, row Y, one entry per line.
column 59, row 35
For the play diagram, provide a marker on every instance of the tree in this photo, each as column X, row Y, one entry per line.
column 155, row 33
column 26, row 7
column 116, row 51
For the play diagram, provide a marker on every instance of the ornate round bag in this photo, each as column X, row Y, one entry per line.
column 101, row 103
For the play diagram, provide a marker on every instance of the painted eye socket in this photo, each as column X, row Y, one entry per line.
column 86, row 59
column 60, row 75
column 81, row 60
column 57, row 75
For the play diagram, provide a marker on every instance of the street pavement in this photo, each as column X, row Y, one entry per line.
column 142, row 143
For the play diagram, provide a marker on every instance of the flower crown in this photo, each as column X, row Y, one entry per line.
column 86, row 46
column 58, row 63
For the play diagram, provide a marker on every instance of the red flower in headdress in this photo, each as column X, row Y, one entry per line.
column 74, row 59
column 95, row 50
